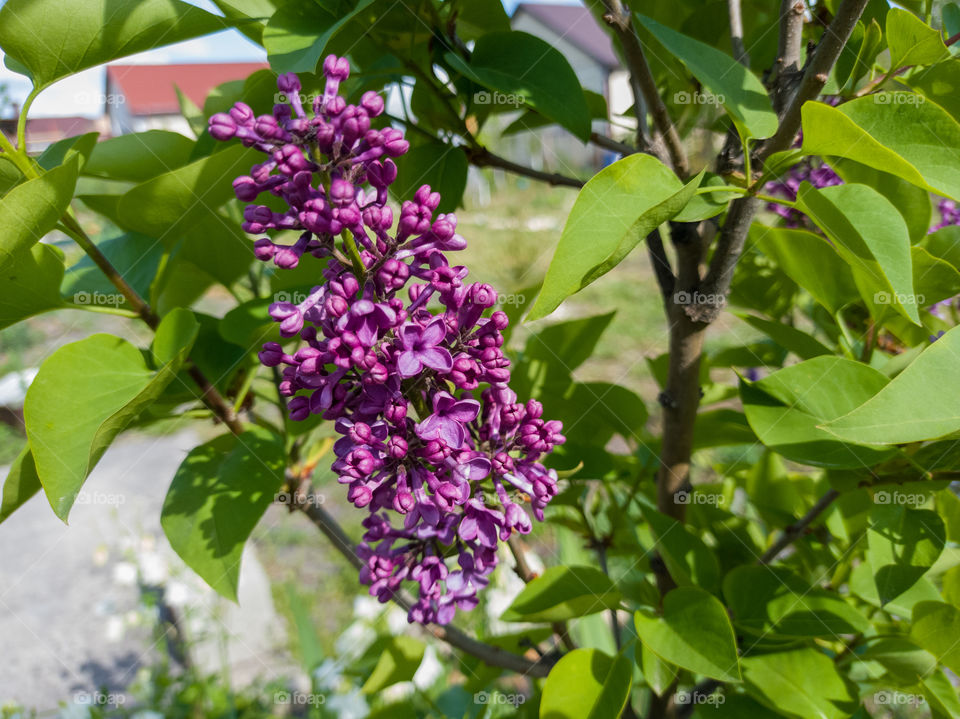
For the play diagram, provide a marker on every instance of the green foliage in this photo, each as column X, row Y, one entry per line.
column 586, row 684
column 217, row 496
column 564, row 593
column 617, row 208
column 822, row 434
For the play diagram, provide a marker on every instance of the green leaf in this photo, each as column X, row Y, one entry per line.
column 902, row 544
column 790, row 338
column 516, row 63
column 398, row 663
column 658, row 674
column 787, row 409
column 52, row 40
column 870, row 234
column 568, row 343
column 217, row 496
column 948, row 507
column 772, row 600
column 83, row 396
column 891, row 132
column 169, row 204
column 192, row 114
column 176, row 334
column 935, row 627
column 911, row 201
column 586, row 684
column 59, row 152
column 562, row 593
column 903, row 660
column 739, row 91
column 31, row 209
column 614, row 211
column 297, row 35
column 441, row 166
column 810, row 261
column 912, row 407
column 940, row 83
column 689, row 561
column 260, row 10
column 533, row 72
column 479, row 17
column 801, row 682
column 31, row 284
column 136, row 257
column 139, row 156
column 21, row 483
column 942, row 696
column 912, row 41
column 694, row 633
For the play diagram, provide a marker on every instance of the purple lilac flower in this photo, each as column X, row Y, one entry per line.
column 434, row 444
column 821, row 175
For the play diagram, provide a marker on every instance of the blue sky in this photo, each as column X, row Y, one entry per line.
column 80, row 93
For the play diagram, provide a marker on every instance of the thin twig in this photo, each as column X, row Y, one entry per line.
column 608, row 143
column 618, row 17
column 795, row 530
column 482, row 157
column 786, row 70
column 736, row 32
column 492, row 655
column 815, row 76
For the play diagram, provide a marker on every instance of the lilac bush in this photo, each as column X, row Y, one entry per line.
column 435, row 444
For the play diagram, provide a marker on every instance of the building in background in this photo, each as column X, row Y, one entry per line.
column 144, row 97
column 573, row 30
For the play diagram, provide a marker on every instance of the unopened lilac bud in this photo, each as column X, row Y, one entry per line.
column 242, row 113
column 222, row 126
column 336, row 68
column 245, row 188
column 299, row 409
column 372, row 103
column 264, row 249
column 271, row 355
column 288, row 82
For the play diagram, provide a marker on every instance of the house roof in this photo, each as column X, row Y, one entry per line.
column 57, row 127
column 577, row 25
column 149, row 89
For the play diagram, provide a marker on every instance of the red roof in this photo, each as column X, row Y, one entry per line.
column 149, row 89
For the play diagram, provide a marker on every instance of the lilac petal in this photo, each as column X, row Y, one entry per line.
column 408, row 364
column 433, row 333
column 367, row 332
column 429, row 428
column 436, row 358
column 451, row 433
column 487, row 531
column 445, row 613
column 464, row 411
column 476, row 468
column 409, row 335
column 468, row 529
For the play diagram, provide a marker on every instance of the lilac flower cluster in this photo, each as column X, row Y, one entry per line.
column 821, row 175
column 398, row 379
column 949, row 215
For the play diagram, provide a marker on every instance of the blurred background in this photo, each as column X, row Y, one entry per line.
column 101, row 617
